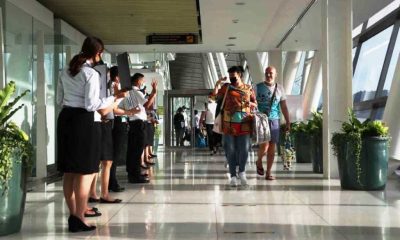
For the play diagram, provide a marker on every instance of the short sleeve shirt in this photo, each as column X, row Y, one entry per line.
column 264, row 95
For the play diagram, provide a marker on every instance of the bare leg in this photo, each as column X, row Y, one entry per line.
column 270, row 159
column 68, row 189
column 105, row 178
column 262, row 150
column 82, row 185
column 93, row 193
column 151, row 150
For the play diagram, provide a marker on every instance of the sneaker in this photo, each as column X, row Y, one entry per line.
column 243, row 179
column 233, row 181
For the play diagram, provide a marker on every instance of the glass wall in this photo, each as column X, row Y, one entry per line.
column 369, row 66
column 19, row 63
column 23, row 37
column 379, row 47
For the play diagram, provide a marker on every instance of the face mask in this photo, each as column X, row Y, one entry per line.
column 233, row 80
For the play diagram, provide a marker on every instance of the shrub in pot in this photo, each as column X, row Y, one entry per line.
column 362, row 153
column 15, row 159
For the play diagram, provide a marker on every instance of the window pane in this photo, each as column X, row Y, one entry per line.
column 369, row 66
column 392, row 67
column 379, row 113
column 296, row 90
column 363, row 114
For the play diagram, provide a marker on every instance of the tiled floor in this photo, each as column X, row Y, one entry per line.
column 188, row 198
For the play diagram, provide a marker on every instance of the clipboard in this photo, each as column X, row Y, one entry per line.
column 102, row 70
column 124, row 72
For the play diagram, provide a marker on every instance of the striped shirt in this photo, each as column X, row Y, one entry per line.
column 134, row 99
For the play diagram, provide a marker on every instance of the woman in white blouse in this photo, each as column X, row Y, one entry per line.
column 78, row 137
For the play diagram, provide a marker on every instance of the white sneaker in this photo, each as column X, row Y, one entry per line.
column 233, row 181
column 243, row 179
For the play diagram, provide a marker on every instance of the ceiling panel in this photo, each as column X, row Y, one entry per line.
column 127, row 21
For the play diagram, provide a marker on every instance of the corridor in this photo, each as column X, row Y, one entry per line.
column 189, row 198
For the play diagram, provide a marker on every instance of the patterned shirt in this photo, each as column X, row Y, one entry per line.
column 236, row 109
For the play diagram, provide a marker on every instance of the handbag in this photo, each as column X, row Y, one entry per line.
column 260, row 125
column 217, row 128
column 260, row 128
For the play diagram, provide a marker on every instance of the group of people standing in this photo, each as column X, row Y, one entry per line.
column 94, row 120
column 238, row 101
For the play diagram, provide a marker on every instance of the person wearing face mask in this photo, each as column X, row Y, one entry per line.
column 78, row 136
column 271, row 100
column 236, row 121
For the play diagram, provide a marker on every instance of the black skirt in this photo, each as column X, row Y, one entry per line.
column 78, row 141
column 149, row 134
column 106, row 141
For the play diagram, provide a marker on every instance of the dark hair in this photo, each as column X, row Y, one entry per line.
column 136, row 77
column 90, row 47
column 237, row 69
column 196, row 112
column 113, row 73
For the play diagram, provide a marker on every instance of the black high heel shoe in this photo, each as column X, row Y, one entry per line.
column 76, row 225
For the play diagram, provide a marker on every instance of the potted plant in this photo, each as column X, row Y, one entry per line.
column 362, row 153
column 302, row 142
column 15, row 158
column 314, row 127
column 308, row 141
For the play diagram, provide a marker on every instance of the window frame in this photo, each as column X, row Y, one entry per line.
column 366, row 33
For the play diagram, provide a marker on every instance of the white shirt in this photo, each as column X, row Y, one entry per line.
column 135, row 99
column 197, row 121
column 82, row 90
column 210, row 113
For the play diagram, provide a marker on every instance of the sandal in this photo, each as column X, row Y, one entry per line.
column 260, row 170
column 269, row 177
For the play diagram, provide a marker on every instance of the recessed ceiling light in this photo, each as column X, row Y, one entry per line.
column 235, row 20
column 232, row 38
column 230, row 45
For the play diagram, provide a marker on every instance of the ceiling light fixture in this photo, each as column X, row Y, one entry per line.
column 240, row 3
column 230, row 45
column 235, row 20
column 232, row 38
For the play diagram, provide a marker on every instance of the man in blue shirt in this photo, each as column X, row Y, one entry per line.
column 271, row 99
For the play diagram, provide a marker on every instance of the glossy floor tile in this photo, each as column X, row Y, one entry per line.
column 189, row 198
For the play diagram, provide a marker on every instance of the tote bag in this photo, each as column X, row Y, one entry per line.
column 217, row 128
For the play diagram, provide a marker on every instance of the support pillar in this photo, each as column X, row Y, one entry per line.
column 290, row 69
column 255, row 67
column 213, row 69
column 40, row 114
column 336, row 73
column 313, row 88
column 222, row 64
column 391, row 115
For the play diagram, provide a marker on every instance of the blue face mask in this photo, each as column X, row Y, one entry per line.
column 233, row 80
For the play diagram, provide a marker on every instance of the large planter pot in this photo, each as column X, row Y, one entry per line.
column 373, row 164
column 316, row 154
column 12, row 203
column 303, row 141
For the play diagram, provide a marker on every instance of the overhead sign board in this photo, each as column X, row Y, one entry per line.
column 172, row 39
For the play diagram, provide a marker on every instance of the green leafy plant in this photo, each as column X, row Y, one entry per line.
column 13, row 140
column 312, row 126
column 352, row 134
